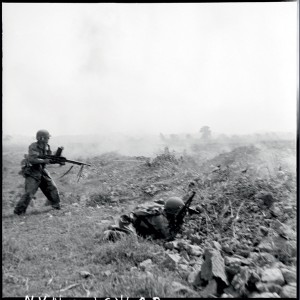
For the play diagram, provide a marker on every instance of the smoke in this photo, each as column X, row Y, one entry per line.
column 90, row 146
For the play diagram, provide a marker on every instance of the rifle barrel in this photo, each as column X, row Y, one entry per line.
column 63, row 159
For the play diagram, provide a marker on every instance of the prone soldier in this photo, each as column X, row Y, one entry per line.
column 156, row 222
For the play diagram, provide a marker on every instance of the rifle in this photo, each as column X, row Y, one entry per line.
column 179, row 217
column 58, row 159
column 62, row 160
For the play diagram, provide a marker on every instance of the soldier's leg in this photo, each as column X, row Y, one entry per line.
column 113, row 235
column 31, row 186
column 50, row 190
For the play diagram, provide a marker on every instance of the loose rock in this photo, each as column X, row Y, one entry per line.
column 289, row 275
column 231, row 292
column 285, row 231
column 264, row 230
column 264, row 295
column 194, row 250
column 146, row 264
column 272, row 275
column 262, row 258
column 171, row 261
column 210, row 290
column 194, row 278
column 182, row 289
column 107, row 273
column 236, row 261
column 240, row 280
column 289, row 291
column 268, row 287
column 213, row 265
column 217, row 245
column 85, row 274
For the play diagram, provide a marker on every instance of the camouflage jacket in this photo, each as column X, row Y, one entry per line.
column 32, row 165
column 145, row 221
column 153, row 224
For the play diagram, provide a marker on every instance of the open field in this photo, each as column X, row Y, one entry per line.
column 246, row 195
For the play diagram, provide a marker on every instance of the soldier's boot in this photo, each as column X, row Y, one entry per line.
column 113, row 235
column 50, row 190
column 54, row 198
column 31, row 186
column 19, row 213
column 22, row 205
column 49, row 203
column 56, row 206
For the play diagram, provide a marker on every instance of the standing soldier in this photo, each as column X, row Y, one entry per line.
column 36, row 175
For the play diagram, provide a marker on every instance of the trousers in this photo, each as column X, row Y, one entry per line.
column 47, row 186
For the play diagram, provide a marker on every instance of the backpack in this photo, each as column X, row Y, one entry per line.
column 148, row 210
column 142, row 219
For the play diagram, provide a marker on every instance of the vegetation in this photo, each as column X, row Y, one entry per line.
column 245, row 194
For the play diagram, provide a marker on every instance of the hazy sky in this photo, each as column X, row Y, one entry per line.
column 149, row 68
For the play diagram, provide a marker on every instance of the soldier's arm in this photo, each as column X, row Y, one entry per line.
column 33, row 154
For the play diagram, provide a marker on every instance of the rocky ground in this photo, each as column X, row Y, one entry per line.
column 242, row 242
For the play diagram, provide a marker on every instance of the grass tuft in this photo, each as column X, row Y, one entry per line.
column 138, row 285
column 128, row 249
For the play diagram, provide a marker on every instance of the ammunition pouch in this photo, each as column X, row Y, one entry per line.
column 25, row 170
column 25, row 166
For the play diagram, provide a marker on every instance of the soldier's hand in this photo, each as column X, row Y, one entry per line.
column 193, row 211
column 125, row 219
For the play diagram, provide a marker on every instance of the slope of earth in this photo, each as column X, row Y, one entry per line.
column 246, row 227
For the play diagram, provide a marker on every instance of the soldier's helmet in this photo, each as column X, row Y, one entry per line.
column 173, row 205
column 43, row 133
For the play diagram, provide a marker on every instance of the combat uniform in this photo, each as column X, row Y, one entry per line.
column 155, row 221
column 156, row 225
column 37, row 176
column 146, row 222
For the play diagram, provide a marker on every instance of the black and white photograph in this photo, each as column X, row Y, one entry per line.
column 149, row 150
